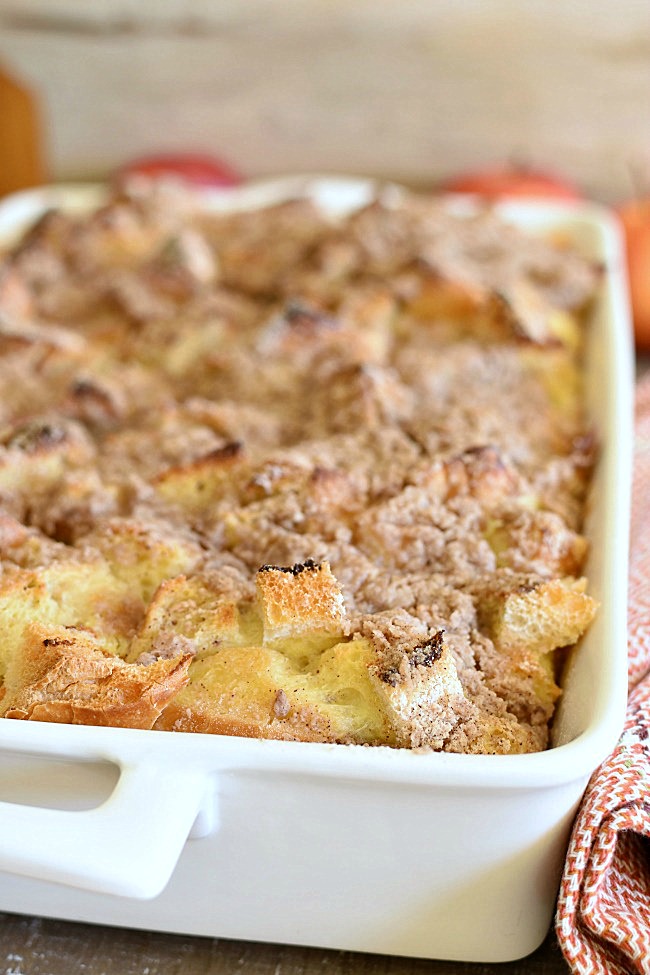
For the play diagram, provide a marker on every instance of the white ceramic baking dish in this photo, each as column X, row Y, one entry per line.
column 349, row 847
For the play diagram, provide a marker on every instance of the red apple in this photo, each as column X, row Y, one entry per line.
column 635, row 218
column 509, row 180
column 192, row 168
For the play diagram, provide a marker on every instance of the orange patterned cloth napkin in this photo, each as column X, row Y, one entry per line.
column 603, row 915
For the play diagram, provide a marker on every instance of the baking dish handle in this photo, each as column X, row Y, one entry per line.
column 129, row 845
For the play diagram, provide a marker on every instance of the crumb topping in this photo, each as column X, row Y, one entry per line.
column 335, row 470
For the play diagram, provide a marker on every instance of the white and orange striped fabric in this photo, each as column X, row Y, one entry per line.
column 603, row 915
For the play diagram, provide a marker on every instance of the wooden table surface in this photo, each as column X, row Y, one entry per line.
column 35, row 946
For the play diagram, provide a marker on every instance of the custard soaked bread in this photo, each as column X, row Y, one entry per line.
column 274, row 474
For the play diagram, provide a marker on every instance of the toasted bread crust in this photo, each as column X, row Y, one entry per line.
column 63, row 675
column 304, row 597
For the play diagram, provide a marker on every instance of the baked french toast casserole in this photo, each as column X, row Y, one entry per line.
column 277, row 474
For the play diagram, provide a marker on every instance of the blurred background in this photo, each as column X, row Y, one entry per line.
column 410, row 89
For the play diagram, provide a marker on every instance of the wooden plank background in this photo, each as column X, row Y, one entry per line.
column 411, row 89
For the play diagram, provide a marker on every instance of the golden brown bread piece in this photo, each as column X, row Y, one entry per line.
column 76, row 592
column 63, row 674
column 304, row 599
column 538, row 616
column 193, row 614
